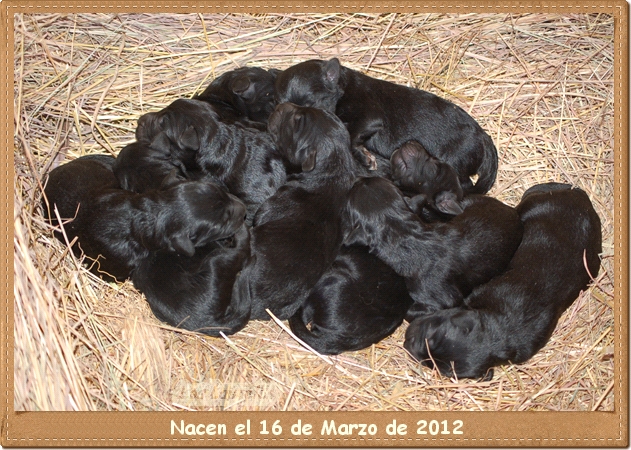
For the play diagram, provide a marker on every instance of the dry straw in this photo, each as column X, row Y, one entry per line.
column 541, row 85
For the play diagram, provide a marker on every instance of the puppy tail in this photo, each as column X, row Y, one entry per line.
column 238, row 313
column 487, row 170
column 298, row 324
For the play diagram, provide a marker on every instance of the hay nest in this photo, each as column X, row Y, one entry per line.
column 540, row 84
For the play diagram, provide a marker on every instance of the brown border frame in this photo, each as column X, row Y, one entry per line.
column 592, row 429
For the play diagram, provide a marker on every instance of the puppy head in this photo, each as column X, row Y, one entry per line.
column 142, row 166
column 194, row 214
column 374, row 204
column 186, row 124
column 303, row 134
column 313, row 83
column 253, row 90
column 415, row 170
column 452, row 341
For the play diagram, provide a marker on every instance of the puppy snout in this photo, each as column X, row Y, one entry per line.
column 143, row 130
column 237, row 209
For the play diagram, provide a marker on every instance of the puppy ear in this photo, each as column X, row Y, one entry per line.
column 182, row 244
column 406, row 154
column 274, row 72
column 240, row 85
column 161, row 143
column 171, row 179
column 464, row 321
column 309, row 163
column 356, row 236
column 416, row 203
column 332, row 73
column 144, row 129
column 189, row 139
column 447, row 202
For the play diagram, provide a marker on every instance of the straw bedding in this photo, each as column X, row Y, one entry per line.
column 541, row 85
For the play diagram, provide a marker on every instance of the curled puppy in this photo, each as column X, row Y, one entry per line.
column 243, row 160
column 144, row 166
column 357, row 302
column 429, row 182
column 195, row 292
column 244, row 95
column 512, row 317
column 117, row 228
column 441, row 262
column 297, row 234
column 381, row 116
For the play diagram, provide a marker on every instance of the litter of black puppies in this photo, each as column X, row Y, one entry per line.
column 441, row 262
column 333, row 247
column 381, row 116
column 357, row 302
column 117, row 228
column 512, row 316
column 243, row 160
column 297, row 232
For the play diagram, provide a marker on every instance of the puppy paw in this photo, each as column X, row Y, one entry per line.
column 368, row 158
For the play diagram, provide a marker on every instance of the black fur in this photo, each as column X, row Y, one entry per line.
column 357, row 302
column 297, row 232
column 195, row 293
column 244, row 95
column 243, row 160
column 441, row 262
column 431, row 184
column 381, row 116
column 512, row 317
column 144, row 166
column 117, row 228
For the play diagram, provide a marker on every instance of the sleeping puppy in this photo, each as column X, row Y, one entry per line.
column 381, row 116
column 244, row 95
column 441, row 262
column 356, row 303
column 512, row 317
column 195, row 292
column 145, row 166
column 117, row 228
column 297, row 234
column 243, row 160
column 431, row 184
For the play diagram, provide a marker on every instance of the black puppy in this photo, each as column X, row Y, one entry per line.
column 297, row 232
column 195, row 293
column 431, row 184
column 357, row 302
column 511, row 317
column 244, row 95
column 118, row 228
column 243, row 160
column 144, row 166
column 381, row 116
column 441, row 262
